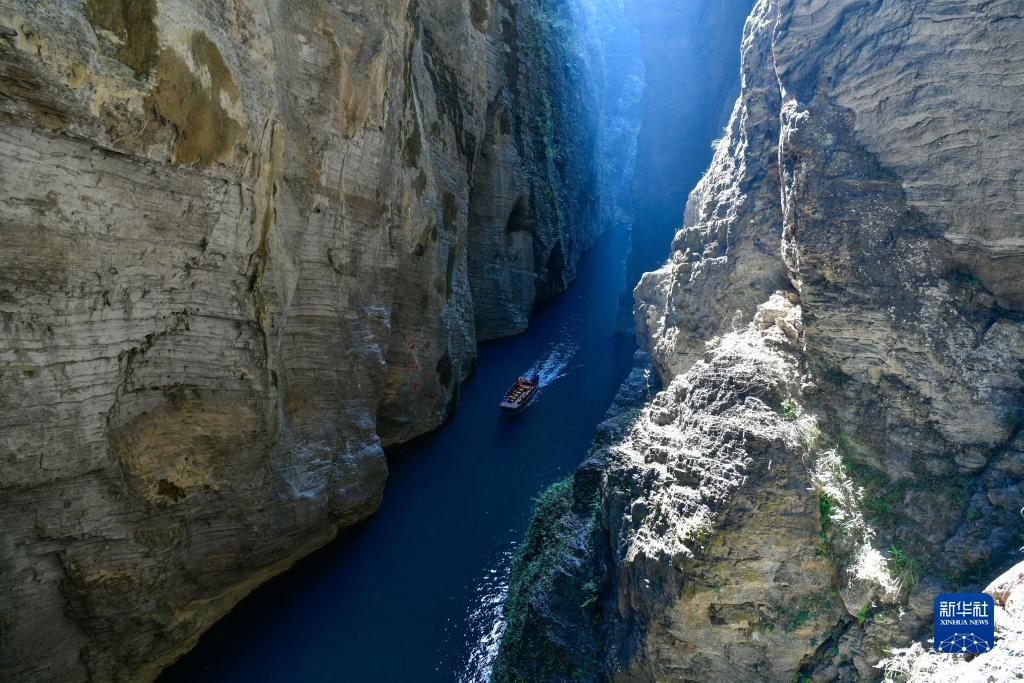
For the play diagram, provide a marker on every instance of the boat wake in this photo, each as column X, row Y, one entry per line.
column 553, row 364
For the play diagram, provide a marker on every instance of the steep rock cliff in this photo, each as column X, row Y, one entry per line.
column 245, row 244
column 841, row 336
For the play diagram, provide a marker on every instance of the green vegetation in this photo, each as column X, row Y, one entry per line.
column 863, row 613
column 789, row 411
column 792, row 617
column 532, row 570
column 885, row 505
column 884, row 499
column 825, row 546
column 548, row 528
column 590, row 588
column 906, row 568
column 556, row 525
column 866, row 475
column 826, row 506
column 795, row 618
column 701, row 533
column 826, row 510
column 809, row 434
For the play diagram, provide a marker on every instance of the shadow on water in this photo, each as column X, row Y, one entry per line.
column 415, row 592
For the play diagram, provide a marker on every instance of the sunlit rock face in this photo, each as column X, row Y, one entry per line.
column 245, row 244
column 919, row 664
column 712, row 525
column 872, row 169
column 842, row 341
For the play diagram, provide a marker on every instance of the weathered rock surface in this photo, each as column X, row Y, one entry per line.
column 245, row 244
column 553, row 625
column 707, row 500
column 841, row 335
column 917, row 664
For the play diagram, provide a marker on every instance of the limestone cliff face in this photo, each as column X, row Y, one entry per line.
column 535, row 202
column 245, row 244
column 841, row 336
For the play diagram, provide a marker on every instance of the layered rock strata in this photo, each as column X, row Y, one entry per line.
column 841, row 335
column 245, row 245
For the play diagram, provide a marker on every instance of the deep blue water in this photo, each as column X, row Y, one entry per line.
column 414, row 594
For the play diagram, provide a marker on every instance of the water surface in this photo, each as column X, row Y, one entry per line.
column 414, row 593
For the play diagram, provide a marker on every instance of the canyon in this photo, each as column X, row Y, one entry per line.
column 840, row 338
column 691, row 81
column 247, row 246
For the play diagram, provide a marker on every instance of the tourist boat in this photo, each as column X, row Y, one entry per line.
column 519, row 395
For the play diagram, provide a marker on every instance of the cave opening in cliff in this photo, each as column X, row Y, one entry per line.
column 519, row 217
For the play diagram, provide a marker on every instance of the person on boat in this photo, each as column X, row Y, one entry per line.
column 521, row 392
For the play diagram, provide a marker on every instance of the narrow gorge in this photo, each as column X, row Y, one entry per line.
column 840, row 336
column 267, row 268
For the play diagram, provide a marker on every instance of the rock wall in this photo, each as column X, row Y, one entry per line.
column 919, row 664
column 245, row 245
column 535, row 205
column 841, row 338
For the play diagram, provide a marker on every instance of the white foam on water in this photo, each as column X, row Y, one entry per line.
column 486, row 622
column 554, row 362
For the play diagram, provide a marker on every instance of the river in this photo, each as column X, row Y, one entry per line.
column 414, row 593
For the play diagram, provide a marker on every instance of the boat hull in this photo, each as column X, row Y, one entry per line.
column 520, row 402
